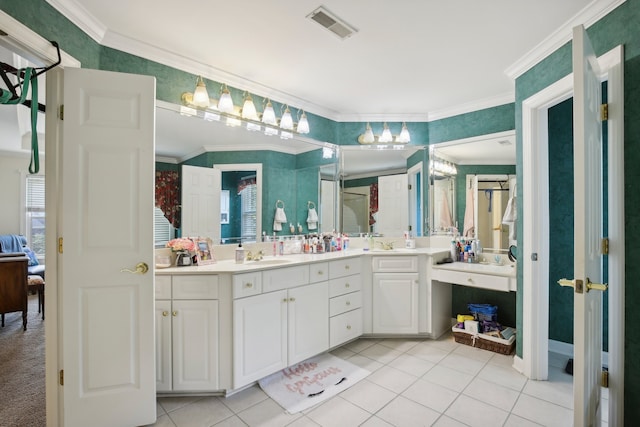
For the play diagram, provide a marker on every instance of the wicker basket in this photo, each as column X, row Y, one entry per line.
column 484, row 342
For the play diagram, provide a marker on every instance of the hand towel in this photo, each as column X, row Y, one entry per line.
column 278, row 219
column 445, row 213
column 469, row 225
column 510, row 216
column 312, row 219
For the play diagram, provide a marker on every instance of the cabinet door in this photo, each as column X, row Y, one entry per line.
column 195, row 345
column 259, row 336
column 395, row 303
column 163, row 345
column 308, row 321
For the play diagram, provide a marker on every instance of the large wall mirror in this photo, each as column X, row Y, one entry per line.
column 472, row 198
column 382, row 190
column 293, row 173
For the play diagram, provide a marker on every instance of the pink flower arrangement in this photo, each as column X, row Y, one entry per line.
column 181, row 244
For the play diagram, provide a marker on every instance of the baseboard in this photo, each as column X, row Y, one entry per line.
column 566, row 349
column 518, row 364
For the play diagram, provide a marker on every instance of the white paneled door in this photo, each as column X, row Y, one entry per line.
column 106, row 259
column 588, row 231
column 201, row 202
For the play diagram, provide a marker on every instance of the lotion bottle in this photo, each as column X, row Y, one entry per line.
column 239, row 254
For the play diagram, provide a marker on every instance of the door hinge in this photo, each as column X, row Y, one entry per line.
column 605, row 246
column 61, row 377
column 61, row 112
column 605, row 378
column 604, row 112
column 60, row 245
column 409, row 186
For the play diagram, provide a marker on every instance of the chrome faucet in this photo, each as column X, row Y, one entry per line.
column 255, row 257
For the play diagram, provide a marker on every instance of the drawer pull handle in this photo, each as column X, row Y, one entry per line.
column 346, row 267
column 165, row 313
column 174, row 313
column 346, row 285
column 348, row 302
column 248, row 285
column 470, row 280
column 349, row 327
column 292, row 299
column 320, row 272
column 285, row 300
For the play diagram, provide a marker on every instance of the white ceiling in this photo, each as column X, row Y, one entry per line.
column 410, row 60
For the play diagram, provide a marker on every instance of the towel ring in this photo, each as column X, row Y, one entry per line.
column 311, row 205
column 280, row 204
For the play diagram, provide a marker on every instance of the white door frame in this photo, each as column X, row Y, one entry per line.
column 535, row 176
column 27, row 43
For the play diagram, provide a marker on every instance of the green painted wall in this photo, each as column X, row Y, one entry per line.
column 620, row 27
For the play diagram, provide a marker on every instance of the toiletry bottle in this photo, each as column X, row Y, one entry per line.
column 275, row 250
column 281, row 247
column 239, row 254
column 365, row 245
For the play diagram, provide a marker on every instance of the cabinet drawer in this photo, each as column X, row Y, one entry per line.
column 247, row 284
column 344, row 285
column 393, row 264
column 195, row 287
column 163, row 287
column 344, row 303
column 345, row 327
column 318, row 272
column 344, row 267
column 284, row 278
column 486, row 281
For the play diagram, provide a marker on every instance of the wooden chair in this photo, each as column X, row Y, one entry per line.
column 13, row 285
column 36, row 284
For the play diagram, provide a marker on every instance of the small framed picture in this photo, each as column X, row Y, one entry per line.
column 204, row 251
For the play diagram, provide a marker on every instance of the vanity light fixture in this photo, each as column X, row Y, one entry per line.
column 303, row 123
column 225, row 103
column 441, row 167
column 269, row 115
column 200, row 95
column 386, row 134
column 249, row 108
column 368, row 137
column 286, row 121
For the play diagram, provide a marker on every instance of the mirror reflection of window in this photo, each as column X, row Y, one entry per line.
column 248, row 209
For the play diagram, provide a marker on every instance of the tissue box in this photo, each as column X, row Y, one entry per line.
column 485, row 341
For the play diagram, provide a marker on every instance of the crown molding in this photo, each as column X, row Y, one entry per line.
column 481, row 104
column 591, row 14
column 80, row 17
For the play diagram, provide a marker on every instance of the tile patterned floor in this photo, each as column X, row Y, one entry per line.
column 413, row 382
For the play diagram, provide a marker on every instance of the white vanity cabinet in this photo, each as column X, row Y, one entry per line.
column 187, row 333
column 395, row 294
column 282, row 324
column 345, row 301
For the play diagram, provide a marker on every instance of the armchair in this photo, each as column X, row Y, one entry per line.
column 13, row 285
column 12, row 243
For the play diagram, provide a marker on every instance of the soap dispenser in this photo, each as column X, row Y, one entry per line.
column 239, row 254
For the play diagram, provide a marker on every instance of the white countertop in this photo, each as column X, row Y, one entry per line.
column 270, row 261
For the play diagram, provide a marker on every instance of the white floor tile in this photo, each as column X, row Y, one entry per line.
column 162, row 421
column 338, row 412
column 234, row 421
column 401, row 344
column 462, row 363
column 516, row 421
column 365, row 363
column 172, row 403
column 474, row 412
column 392, row 379
column 368, row 396
column 431, row 395
column 429, row 352
column 404, row 412
column 267, row 413
column 474, row 353
column 205, row 412
column 375, row 422
column 411, row 365
column 358, row 345
column 553, row 392
column 503, row 360
column 492, row 394
column 449, row 378
column 245, row 399
column 303, row 421
column 445, row 421
column 342, row 352
column 542, row 412
column 380, row 353
column 504, row 376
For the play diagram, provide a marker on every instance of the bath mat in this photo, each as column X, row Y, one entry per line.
column 312, row 381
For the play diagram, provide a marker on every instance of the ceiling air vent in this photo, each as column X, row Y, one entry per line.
column 332, row 23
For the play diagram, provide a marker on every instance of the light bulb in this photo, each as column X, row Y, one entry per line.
column 404, row 134
column 286, row 122
column 386, row 134
column 368, row 135
column 225, row 103
column 303, row 124
column 200, row 95
column 269, row 115
column 249, row 109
